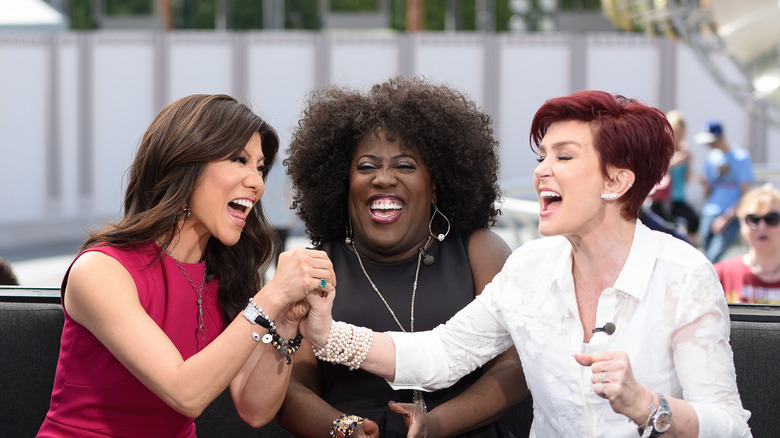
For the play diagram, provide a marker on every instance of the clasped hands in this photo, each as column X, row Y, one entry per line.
column 306, row 282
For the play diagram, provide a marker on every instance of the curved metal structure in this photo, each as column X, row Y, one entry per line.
column 737, row 41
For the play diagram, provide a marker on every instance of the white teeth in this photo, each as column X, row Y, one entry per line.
column 548, row 194
column 244, row 203
column 386, row 206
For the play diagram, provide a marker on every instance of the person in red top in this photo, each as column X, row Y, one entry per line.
column 754, row 277
column 166, row 308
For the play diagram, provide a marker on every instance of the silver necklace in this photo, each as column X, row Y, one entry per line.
column 417, row 395
column 199, row 292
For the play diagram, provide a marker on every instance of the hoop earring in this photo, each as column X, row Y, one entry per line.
column 348, row 239
column 440, row 237
column 609, row 196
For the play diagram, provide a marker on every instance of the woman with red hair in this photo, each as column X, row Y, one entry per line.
column 621, row 330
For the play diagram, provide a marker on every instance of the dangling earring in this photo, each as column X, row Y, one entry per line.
column 441, row 236
column 348, row 239
column 185, row 213
column 609, row 196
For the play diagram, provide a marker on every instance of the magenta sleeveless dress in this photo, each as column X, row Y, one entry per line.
column 94, row 395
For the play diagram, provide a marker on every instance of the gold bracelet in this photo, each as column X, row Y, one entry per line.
column 345, row 425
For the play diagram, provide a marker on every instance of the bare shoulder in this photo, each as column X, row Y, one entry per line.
column 487, row 254
column 97, row 282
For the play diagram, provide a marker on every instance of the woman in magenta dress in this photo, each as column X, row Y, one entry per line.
column 166, row 308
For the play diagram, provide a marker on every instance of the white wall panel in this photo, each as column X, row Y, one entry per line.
column 532, row 71
column 69, row 119
column 200, row 63
column 122, row 109
column 24, row 90
column 363, row 59
column 457, row 60
column 773, row 140
column 281, row 73
column 627, row 66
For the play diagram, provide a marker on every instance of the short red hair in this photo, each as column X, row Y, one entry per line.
column 626, row 134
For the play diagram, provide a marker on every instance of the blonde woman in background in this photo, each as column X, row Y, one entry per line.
column 674, row 207
column 754, row 277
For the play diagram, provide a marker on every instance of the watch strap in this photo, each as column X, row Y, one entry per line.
column 663, row 408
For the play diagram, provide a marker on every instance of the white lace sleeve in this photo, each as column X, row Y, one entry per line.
column 703, row 358
column 438, row 358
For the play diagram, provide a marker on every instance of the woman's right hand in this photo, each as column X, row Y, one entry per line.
column 315, row 326
column 366, row 429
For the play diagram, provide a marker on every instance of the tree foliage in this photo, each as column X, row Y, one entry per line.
column 303, row 14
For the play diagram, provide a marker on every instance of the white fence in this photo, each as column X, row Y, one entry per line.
column 74, row 105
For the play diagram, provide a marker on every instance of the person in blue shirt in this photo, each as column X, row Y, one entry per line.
column 728, row 174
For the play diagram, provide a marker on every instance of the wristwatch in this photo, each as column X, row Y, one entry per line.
column 662, row 419
column 255, row 317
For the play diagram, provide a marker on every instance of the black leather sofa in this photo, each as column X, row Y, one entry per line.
column 31, row 324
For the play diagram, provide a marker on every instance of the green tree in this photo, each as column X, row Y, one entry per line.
column 302, row 14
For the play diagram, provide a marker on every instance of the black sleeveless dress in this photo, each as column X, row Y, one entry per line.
column 443, row 288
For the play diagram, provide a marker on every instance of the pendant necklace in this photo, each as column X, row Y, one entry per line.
column 199, row 293
column 417, row 395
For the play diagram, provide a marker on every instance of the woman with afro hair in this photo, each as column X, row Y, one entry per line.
column 398, row 186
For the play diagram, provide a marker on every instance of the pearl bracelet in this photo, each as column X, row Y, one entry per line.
column 346, row 345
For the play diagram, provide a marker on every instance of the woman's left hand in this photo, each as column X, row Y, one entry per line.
column 418, row 422
column 613, row 380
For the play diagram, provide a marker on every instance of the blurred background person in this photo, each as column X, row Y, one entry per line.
column 754, row 277
column 397, row 185
column 728, row 174
column 670, row 197
column 7, row 276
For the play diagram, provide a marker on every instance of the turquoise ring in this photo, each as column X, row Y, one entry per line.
column 323, row 283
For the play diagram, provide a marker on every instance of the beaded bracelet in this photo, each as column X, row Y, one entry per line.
column 284, row 346
column 346, row 345
column 345, row 425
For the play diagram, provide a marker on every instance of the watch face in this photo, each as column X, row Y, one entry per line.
column 662, row 422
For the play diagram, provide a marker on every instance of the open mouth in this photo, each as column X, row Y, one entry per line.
column 550, row 200
column 239, row 209
column 385, row 209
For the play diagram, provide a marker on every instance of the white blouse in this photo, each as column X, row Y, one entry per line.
column 670, row 316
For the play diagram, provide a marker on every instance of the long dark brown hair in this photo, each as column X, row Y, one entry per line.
column 188, row 134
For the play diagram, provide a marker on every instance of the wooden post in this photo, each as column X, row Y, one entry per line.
column 165, row 13
column 415, row 15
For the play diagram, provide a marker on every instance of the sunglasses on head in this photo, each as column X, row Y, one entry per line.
column 771, row 219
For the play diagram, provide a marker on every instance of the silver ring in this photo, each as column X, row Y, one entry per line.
column 323, row 282
column 601, row 391
column 602, row 377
